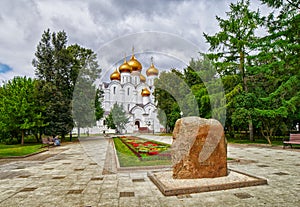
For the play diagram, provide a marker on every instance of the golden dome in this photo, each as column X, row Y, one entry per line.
column 135, row 64
column 152, row 70
column 125, row 67
column 142, row 78
column 115, row 75
column 145, row 92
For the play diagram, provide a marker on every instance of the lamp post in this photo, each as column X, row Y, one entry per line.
column 153, row 127
column 148, row 123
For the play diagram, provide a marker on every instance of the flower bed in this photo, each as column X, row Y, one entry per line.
column 144, row 148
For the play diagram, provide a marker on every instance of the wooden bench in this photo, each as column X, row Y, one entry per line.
column 294, row 139
column 48, row 141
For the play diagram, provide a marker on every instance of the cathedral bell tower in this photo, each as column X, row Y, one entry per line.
column 152, row 73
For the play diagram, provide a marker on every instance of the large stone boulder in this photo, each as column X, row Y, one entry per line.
column 199, row 149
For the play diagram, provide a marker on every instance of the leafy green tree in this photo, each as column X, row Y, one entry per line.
column 53, row 65
column 99, row 111
column 280, row 3
column 233, row 44
column 63, row 68
column 275, row 70
column 117, row 118
column 193, row 92
column 19, row 111
column 84, row 105
column 109, row 121
column 206, row 86
column 86, row 100
column 244, row 104
column 169, row 95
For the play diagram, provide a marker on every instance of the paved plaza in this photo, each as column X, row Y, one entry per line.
column 72, row 175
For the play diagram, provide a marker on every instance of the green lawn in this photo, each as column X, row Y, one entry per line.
column 19, row 150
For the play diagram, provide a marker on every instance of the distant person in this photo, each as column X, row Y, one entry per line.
column 56, row 141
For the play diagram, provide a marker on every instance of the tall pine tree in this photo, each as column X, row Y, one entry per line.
column 275, row 70
column 231, row 47
column 60, row 67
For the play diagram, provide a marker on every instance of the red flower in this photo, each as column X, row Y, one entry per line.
column 135, row 144
column 153, row 153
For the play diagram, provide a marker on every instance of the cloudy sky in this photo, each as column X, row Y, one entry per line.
column 169, row 30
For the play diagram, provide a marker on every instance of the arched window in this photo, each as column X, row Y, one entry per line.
column 114, row 90
column 128, row 90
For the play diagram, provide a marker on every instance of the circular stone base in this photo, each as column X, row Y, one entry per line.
column 169, row 186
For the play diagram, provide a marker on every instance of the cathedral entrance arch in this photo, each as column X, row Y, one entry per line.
column 137, row 123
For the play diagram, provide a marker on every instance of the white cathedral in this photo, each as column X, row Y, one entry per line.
column 131, row 89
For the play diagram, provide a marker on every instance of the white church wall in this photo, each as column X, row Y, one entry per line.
column 139, row 90
column 127, row 93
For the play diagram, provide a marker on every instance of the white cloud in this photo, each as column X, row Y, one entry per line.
column 95, row 24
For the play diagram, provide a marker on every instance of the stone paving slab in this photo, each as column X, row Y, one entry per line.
column 52, row 180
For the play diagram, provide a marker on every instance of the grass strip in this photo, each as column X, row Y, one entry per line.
column 257, row 141
column 18, row 150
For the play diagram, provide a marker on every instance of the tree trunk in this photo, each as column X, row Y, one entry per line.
column 78, row 131
column 70, row 136
column 268, row 139
column 37, row 137
column 40, row 136
column 22, row 140
column 242, row 70
column 271, row 135
column 267, row 135
column 251, row 130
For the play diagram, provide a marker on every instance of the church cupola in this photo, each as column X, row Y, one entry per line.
column 134, row 63
column 145, row 92
column 115, row 76
column 145, row 95
column 125, row 67
column 125, row 71
column 152, row 71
